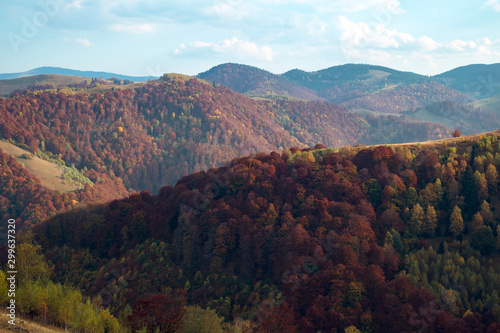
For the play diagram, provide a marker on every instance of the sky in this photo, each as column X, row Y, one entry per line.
column 152, row 37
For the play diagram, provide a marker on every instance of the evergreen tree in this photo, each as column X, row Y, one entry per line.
column 492, row 177
column 486, row 213
column 477, row 222
column 483, row 240
column 416, row 222
column 456, row 222
column 430, row 221
column 469, row 191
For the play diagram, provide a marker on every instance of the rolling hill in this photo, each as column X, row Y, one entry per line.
column 72, row 72
column 37, row 82
column 478, row 81
column 126, row 139
column 470, row 118
column 354, row 86
column 254, row 82
column 308, row 240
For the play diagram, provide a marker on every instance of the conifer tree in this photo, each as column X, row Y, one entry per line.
column 416, row 222
column 486, row 213
column 430, row 221
column 456, row 222
column 477, row 221
column 492, row 177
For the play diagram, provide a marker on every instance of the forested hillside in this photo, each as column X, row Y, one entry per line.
column 121, row 140
column 353, row 86
column 468, row 118
column 385, row 239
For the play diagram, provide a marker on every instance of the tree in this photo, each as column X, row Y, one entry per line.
column 430, row 221
column 197, row 320
column 158, row 312
column 30, row 261
column 352, row 329
column 456, row 133
column 416, row 222
column 477, row 222
column 486, row 213
column 491, row 175
column 3, row 288
column 456, row 222
column 411, row 197
column 469, row 190
column 483, row 240
column 481, row 185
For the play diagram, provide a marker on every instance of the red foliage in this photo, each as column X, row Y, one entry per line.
column 158, row 312
column 456, row 133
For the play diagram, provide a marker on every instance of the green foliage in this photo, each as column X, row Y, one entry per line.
column 352, row 329
column 31, row 263
column 51, row 303
column 416, row 222
column 483, row 240
column 76, row 177
column 461, row 279
column 198, row 320
column 3, row 288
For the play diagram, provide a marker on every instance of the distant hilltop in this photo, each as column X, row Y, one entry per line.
column 73, row 72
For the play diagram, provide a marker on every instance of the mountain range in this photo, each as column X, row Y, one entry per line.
column 258, row 202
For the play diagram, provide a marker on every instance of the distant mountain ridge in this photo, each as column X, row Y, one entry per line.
column 477, row 80
column 355, row 86
column 74, row 72
column 252, row 82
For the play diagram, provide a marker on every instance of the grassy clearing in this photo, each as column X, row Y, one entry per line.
column 488, row 104
column 23, row 325
column 50, row 174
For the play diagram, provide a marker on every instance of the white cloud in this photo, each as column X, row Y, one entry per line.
column 494, row 4
column 377, row 36
column 84, row 42
column 375, row 43
column 390, row 6
column 141, row 28
column 426, row 43
column 233, row 46
column 225, row 10
column 460, row 45
column 371, row 35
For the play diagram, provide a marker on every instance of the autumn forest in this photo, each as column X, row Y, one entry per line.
column 197, row 208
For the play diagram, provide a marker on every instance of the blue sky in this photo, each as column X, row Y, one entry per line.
column 151, row 37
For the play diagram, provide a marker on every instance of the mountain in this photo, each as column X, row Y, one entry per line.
column 115, row 140
column 72, row 72
column 354, row 86
column 369, row 239
column 254, row 82
column 479, row 81
column 377, row 75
